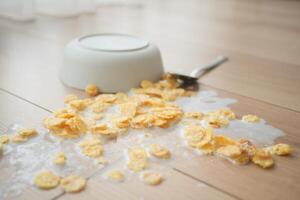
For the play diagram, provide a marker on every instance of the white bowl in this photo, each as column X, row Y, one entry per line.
column 113, row 62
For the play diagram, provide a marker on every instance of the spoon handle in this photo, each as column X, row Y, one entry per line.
column 201, row 70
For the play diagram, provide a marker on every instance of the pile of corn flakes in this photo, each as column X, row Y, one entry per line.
column 148, row 106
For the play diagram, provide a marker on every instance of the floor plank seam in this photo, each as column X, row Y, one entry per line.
column 19, row 97
column 208, row 184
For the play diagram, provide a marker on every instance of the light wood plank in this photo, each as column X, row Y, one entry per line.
column 244, row 74
column 176, row 186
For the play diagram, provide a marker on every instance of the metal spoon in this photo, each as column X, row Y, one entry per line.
column 190, row 82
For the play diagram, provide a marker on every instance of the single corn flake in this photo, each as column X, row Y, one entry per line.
column 137, row 159
column 70, row 98
column 221, row 140
column 106, row 98
column 91, row 90
column 194, row 135
column 91, row 147
column 216, row 121
column 250, row 118
column 115, row 175
column 128, row 109
column 73, row 183
column 262, row 158
column 59, row 158
column 27, row 133
column 99, row 128
column 207, row 148
column 19, row 139
column 77, row 104
column 230, row 151
column 146, row 84
column 152, row 178
column 159, row 151
column 99, row 107
column 4, row 139
column 46, row 180
column 223, row 113
column 193, row 115
column 122, row 122
column 280, row 149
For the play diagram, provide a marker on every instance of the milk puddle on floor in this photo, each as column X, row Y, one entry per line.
column 20, row 162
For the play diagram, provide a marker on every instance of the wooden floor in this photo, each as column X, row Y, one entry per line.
column 262, row 40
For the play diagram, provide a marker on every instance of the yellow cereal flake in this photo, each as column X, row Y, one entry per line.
column 103, row 130
column 193, row 115
column 4, row 139
column 27, row 133
column 207, row 148
column 247, row 146
column 77, row 104
column 46, row 180
column 19, row 139
column 142, row 121
column 197, row 136
column 152, row 178
column 159, row 151
column 241, row 159
column 99, row 128
column 122, row 122
column 262, row 158
column 230, row 151
column 67, row 125
column 221, row 140
column 91, row 90
column 128, row 109
column 73, row 183
column 146, row 84
column 137, row 159
column 91, row 147
column 70, row 98
column 216, row 121
column 115, row 175
column 59, row 158
column 279, row 149
column 223, row 113
column 99, row 107
column 106, row 98
column 251, row 118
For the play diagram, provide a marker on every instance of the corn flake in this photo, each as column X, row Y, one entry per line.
column 262, row 158
column 152, row 178
column 73, row 184
column 137, row 159
column 250, row 118
column 4, row 139
column 115, row 175
column 91, row 147
column 59, row 159
column 70, row 98
column 279, row 149
column 46, row 180
column 159, row 151
column 91, row 90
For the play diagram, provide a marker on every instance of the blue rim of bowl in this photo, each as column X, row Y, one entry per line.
column 106, row 50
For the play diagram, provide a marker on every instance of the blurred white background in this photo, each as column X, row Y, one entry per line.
column 26, row 10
